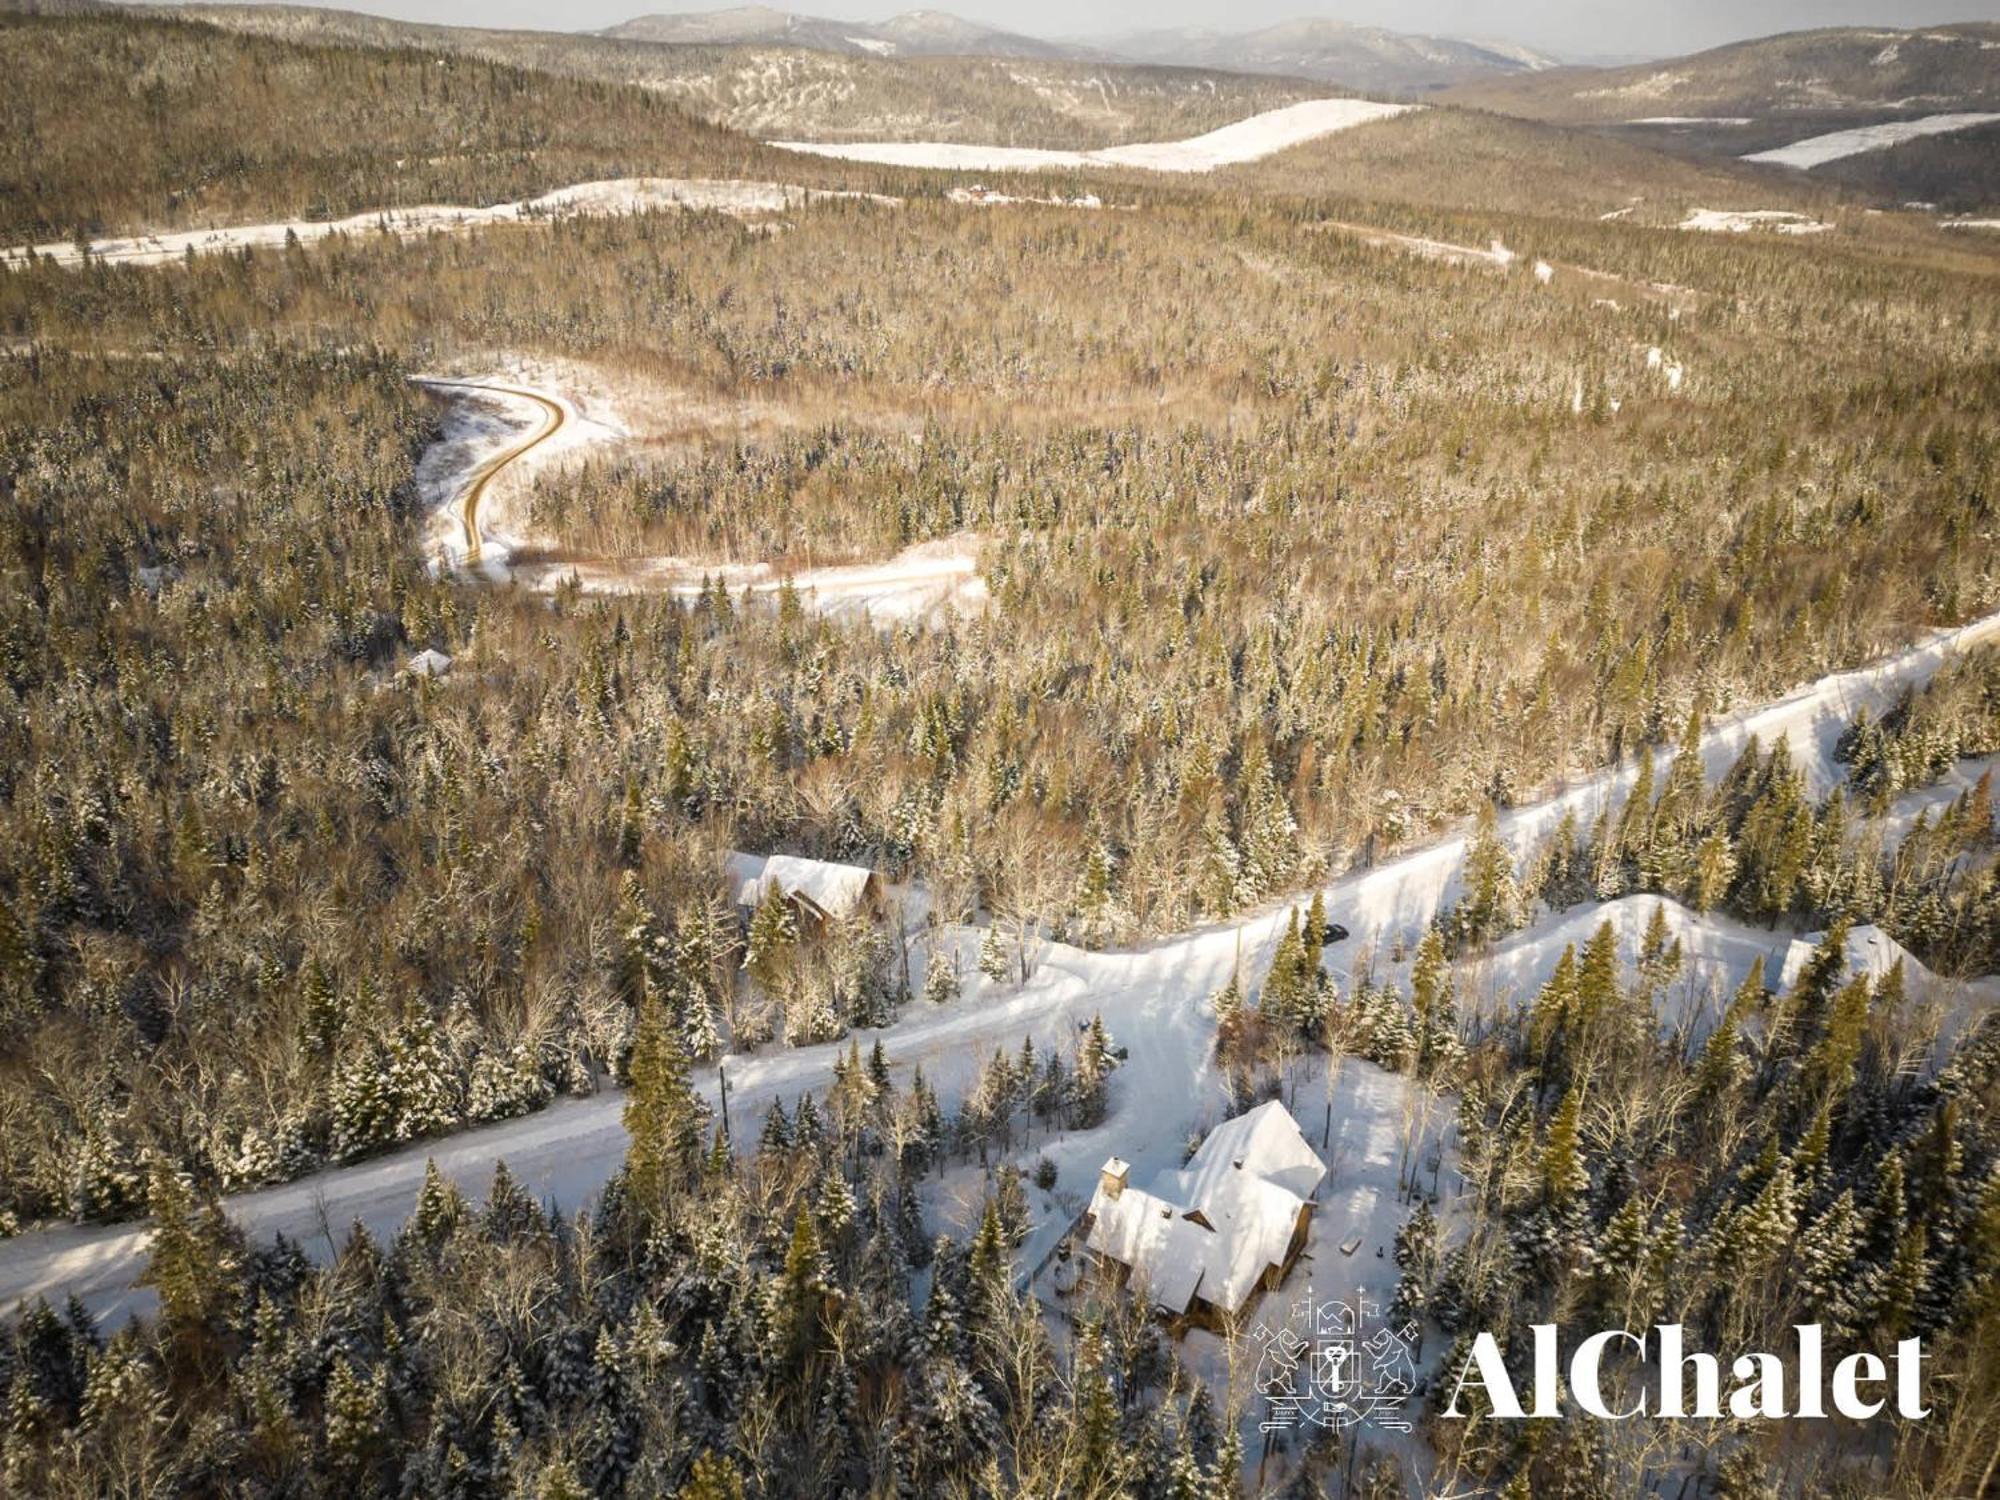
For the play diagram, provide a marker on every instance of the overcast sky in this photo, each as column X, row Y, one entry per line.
column 1570, row 27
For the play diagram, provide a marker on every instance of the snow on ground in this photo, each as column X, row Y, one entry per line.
column 1818, row 150
column 985, row 197
column 624, row 195
column 1692, row 120
column 1717, row 953
column 1742, row 220
column 1496, row 255
column 1970, row 224
column 1153, row 998
column 502, row 433
column 1381, row 1131
column 1931, row 801
column 916, row 583
column 1253, row 139
column 499, row 433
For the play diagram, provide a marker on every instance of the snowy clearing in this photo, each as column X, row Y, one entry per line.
column 1743, row 220
column 1818, row 150
column 1247, row 140
column 504, row 430
column 623, row 195
column 916, row 583
column 987, row 198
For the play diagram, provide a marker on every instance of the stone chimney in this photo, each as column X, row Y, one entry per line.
column 1117, row 1173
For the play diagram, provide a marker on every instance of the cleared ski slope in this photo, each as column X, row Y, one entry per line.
column 1251, row 139
column 1837, row 145
column 1154, row 999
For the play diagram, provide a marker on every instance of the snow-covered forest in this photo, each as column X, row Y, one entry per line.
column 1351, row 700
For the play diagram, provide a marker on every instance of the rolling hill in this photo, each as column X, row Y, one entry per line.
column 1760, row 98
column 1840, row 71
column 917, row 33
column 791, row 91
column 1362, row 57
column 232, row 128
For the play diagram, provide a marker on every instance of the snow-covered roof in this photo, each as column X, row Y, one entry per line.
column 836, row 890
column 1212, row 1229
column 428, row 663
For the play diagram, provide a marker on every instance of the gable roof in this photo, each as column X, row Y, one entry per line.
column 1211, row 1229
column 835, row 890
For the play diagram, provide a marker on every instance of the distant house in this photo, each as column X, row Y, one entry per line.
column 820, row 892
column 1208, row 1238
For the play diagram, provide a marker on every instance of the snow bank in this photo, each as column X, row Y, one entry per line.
column 1247, row 140
column 624, row 195
column 1818, row 150
column 1868, row 950
column 1717, row 953
column 1741, row 221
column 1930, row 801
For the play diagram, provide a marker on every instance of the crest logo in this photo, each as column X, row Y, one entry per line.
column 1335, row 1365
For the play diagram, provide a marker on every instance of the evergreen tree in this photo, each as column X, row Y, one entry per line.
column 1491, row 903
column 1827, row 1269
column 994, row 960
column 1562, row 1170
column 664, row 1117
column 1437, row 1014
column 195, row 1253
column 711, row 1477
column 770, row 955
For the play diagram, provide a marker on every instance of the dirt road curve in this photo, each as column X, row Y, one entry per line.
column 467, row 504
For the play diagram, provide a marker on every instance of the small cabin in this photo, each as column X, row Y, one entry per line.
column 820, row 892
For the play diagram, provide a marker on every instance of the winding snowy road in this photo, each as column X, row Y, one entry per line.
column 1152, row 997
column 553, row 414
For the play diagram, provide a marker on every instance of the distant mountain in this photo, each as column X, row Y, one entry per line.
column 917, row 33
column 781, row 88
column 51, row 7
column 1361, row 57
column 1843, row 71
column 1760, row 97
